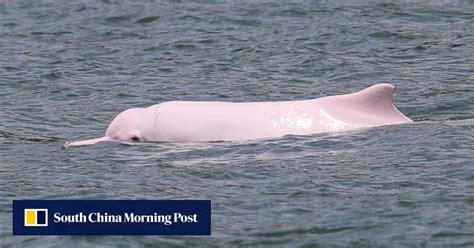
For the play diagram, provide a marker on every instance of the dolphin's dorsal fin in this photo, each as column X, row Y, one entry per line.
column 376, row 96
column 372, row 105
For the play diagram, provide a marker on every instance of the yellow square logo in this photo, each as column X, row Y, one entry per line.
column 36, row 217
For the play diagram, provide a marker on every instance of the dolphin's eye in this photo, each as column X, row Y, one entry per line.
column 135, row 138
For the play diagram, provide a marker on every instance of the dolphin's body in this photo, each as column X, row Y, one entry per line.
column 188, row 121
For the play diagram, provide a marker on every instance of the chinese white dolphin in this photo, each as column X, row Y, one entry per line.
column 189, row 121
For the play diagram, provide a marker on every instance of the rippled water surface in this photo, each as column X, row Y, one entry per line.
column 68, row 67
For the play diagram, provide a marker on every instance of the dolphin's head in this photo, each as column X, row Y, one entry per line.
column 129, row 125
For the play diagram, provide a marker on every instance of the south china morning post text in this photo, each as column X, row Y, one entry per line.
column 111, row 217
column 97, row 217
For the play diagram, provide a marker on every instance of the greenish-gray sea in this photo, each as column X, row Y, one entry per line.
column 68, row 67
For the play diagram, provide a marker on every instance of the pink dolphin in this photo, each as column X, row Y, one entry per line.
column 186, row 121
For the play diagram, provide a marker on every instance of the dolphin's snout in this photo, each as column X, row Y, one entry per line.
column 85, row 142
